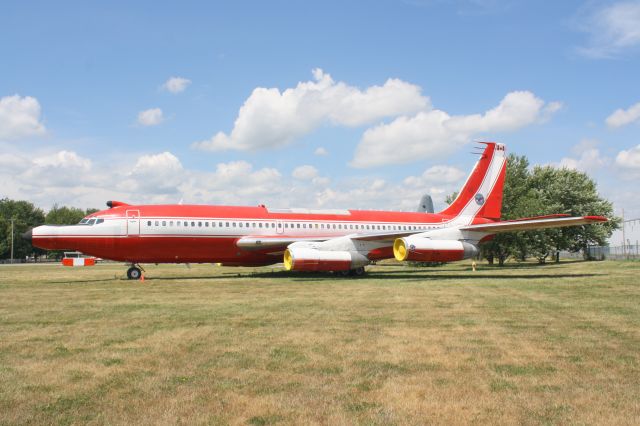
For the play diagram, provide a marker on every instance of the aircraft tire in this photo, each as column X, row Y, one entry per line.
column 134, row 273
column 358, row 272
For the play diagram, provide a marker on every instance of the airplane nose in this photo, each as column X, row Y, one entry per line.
column 28, row 235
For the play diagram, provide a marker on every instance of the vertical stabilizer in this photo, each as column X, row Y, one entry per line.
column 481, row 195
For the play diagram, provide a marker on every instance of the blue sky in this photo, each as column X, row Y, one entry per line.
column 404, row 89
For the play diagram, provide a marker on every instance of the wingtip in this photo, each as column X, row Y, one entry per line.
column 597, row 218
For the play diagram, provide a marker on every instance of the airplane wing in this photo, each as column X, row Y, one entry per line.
column 266, row 242
column 527, row 224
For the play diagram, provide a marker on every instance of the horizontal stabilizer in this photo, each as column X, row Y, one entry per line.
column 542, row 222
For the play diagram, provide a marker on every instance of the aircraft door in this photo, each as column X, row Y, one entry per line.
column 133, row 222
column 279, row 227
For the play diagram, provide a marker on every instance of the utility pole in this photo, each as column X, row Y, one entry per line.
column 12, row 240
column 624, row 242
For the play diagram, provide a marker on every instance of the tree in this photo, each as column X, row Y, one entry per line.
column 574, row 193
column 548, row 190
column 518, row 200
column 64, row 215
column 25, row 215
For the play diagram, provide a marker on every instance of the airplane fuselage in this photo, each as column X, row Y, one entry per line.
column 198, row 234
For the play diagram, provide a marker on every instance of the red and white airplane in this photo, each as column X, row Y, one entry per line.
column 343, row 241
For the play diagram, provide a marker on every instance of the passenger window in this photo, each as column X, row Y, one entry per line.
column 273, row 225
column 240, row 224
column 164, row 223
column 247, row 224
column 157, row 223
column 233, row 224
column 227, row 224
column 186, row 223
column 149, row 223
column 206, row 224
column 171, row 223
column 200, row 224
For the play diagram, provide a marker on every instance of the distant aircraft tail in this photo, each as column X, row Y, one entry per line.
column 481, row 195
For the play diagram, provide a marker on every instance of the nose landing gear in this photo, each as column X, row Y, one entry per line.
column 134, row 272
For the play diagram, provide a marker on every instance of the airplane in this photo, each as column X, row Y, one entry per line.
column 336, row 240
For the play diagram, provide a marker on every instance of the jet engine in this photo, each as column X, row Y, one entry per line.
column 421, row 249
column 311, row 259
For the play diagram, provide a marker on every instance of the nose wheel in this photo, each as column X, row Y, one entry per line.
column 357, row 272
column 134, row 272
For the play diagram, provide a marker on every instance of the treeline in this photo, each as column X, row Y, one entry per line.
column 542, row 191
column 25, row 215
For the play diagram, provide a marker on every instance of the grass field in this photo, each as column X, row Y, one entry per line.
column 211, row 345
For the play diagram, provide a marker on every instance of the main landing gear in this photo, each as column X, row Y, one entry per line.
column 134, row 272
column 357, row 272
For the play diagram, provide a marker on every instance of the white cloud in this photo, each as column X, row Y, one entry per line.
column 13, row 163
column 321, row 152
column 150, row 117
column 270, row 118
column 176, row 84
column 70, row 179
column 20, row 117
column 629, row 159
column 61, row 169
column 154, row 173
column 305, row 172
column 587, row 157
column 588, row 161
column 63, row 159
column 435, row 132
column 436, row 175
column 613, row 29
column 622, row 117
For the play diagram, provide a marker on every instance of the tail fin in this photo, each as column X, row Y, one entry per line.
column 481, row 195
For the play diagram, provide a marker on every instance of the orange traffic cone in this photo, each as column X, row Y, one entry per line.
column 142, row 277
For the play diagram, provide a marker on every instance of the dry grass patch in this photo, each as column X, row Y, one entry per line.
column 522, row 344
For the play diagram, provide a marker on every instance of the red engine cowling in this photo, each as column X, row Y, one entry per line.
column 420, row 249
column 310, row 259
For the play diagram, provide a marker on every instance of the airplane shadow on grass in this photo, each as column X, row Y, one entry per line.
column 378, row 275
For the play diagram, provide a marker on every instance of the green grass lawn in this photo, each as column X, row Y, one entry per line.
column 211, row 345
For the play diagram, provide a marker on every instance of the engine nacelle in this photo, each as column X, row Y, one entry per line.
column 420, row 249
column 311, row 259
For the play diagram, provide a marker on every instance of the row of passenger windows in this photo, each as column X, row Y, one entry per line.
column 286, row 225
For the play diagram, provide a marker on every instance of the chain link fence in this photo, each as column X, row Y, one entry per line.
column 626, row 252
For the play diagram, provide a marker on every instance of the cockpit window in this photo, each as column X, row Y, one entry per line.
column 84, row 221
column 91, row 222
column 98, row 221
